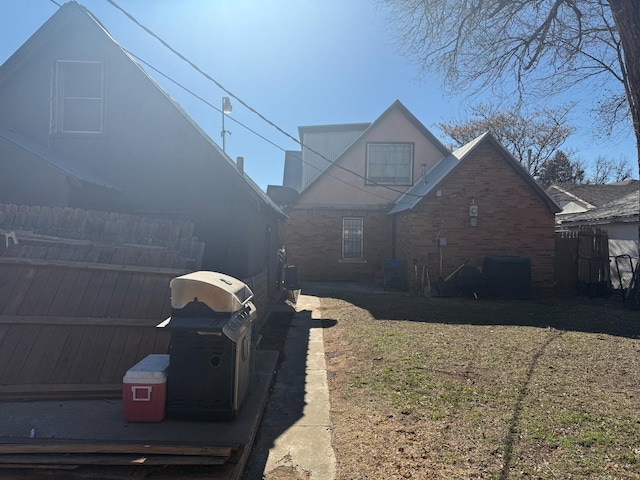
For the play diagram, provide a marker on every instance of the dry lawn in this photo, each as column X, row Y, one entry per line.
column 428, row 388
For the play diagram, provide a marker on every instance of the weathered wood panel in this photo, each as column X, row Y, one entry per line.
column 71, row 357
column 71, row 329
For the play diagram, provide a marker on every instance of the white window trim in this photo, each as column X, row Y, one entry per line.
column 57, row 110
column 368, row 181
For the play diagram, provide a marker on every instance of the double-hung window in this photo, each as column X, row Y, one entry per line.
column 352, row 236
column 390, row 163
column 78, row 97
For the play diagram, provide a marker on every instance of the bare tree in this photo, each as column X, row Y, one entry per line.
column 531, row 137
column 534, row 46
column 608, row 170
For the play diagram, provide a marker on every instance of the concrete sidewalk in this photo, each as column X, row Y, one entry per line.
column 294, row 441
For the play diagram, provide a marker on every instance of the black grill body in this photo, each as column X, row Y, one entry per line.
column 210, row 356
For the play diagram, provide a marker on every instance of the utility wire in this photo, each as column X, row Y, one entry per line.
column 178, row 84
column 219, row 85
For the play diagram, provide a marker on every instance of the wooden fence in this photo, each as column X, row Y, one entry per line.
column 81, row 293
column 582, row 262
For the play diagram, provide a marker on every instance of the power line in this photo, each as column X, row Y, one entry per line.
column 219, row 85
column 178, row 84
column 195, row 95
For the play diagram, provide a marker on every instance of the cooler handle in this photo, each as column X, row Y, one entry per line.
column 134, row 393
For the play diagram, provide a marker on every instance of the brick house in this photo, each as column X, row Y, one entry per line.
column 391, row 190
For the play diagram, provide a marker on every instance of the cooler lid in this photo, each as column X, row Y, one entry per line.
column 151, row 369
column 220, row 292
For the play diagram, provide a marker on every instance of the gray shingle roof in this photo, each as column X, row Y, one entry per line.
column 596, row 195
column 621, row 209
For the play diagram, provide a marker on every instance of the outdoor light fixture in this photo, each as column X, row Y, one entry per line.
column 226, row 109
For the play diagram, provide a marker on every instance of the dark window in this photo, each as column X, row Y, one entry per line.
column 352, row 233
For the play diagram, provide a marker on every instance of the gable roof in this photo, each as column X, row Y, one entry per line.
column 623, row 209
column 441, row 170
column 366, row 128
column 322, row 145
column 72, row 12
column 592, row 195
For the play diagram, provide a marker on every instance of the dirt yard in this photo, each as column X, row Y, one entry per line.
column 434, row 388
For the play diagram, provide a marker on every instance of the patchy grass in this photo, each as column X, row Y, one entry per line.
column 456, row 388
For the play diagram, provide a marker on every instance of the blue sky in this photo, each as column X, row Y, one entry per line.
column 297, row 62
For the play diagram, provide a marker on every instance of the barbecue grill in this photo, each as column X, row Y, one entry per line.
column 210, row 347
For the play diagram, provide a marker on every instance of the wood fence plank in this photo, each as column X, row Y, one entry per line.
column 4, row 330
column 79, row 365
column 9, row 345
column 91, row 294
column 68, row 354
column 162, row 342
column 160, row 307
column 23, row 282
column 75, row 298
column 144, row 299
column 119, row 294
column 111, row 371
column 96, row 360
column 51, row 356
column 49, row 292
column 8, row 276
column 102, row 302
column 65, row 291
column 130, row 352
column 147, row 343
column 131, row 298
column 38, row 284
column 13, row 371
column 36, row 358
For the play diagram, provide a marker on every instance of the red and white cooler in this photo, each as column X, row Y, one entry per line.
column 144, row 389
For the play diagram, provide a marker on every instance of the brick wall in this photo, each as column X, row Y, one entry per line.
column 512, row 220
column 313, row 241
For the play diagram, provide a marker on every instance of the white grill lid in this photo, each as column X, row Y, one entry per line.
column 220, row 292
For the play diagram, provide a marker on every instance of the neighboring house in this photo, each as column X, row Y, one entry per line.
column 83, row 125
column 391, row 190
column 612, row 207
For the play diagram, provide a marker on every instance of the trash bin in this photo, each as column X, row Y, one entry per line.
column 210, row 346
column 290, row 277
column 507, row 276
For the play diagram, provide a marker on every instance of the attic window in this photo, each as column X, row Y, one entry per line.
column 390, row 163
column 78, row 100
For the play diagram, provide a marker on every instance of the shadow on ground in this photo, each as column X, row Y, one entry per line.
column 608, row 316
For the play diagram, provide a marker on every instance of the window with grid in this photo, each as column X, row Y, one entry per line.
column 390, row 163
column 78, row 105
column 352, row 233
